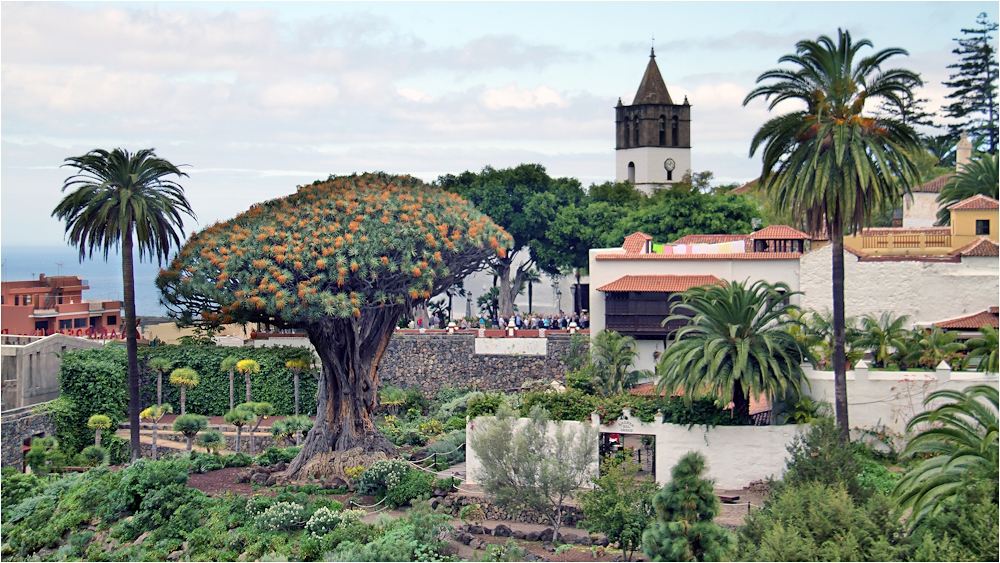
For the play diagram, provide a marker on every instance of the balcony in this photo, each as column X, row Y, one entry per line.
column 902, row 241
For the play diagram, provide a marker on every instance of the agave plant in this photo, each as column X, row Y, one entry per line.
column 962, row 436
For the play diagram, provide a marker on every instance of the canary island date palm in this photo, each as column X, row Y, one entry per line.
column 981, row 176
column 985, row 348
column 341, row 259
column 883, row 335
column 831, row 164
column 612, row 354
column 122, row 200
column 737, row 344
column 961, row 435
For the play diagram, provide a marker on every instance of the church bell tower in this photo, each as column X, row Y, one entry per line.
column 653, row 135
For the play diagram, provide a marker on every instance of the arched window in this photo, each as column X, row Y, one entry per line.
column 635, row 130
column 628, row 132
column 663, row 131
column 631, row 172
column 670, row 175
column 674, row 132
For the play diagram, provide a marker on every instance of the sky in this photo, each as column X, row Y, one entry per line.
column 258, row 98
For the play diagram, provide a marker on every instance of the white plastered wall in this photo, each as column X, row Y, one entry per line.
column 926, row 291
column 920, row 210
column 649, row 165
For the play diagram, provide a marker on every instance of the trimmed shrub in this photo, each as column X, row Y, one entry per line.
column 94, row 455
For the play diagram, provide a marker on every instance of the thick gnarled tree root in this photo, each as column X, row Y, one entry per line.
column 330, row 465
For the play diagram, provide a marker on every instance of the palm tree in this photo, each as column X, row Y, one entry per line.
column 817, row 331
column 247, row 367
column 229, row 365
column 297, row 366
column 962, row 435
column 736, row 344
column 986, row 348
column 981, row 176
column 121, row 199
column 934, row 347
column 612, row 354
column 882, row 335
column 833, row 165
column 184, row 378
column 160, row 366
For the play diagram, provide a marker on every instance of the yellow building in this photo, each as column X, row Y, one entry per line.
column 974, row 221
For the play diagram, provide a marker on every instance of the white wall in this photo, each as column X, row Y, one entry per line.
column 920, row 210
column 926, row 291
column 649, row 164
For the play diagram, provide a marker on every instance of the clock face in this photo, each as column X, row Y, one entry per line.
column 669, row 164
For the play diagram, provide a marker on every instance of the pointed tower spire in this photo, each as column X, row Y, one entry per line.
column 652, row 89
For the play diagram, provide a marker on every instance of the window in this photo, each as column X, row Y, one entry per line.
column 631, row 172
column 80, row 323
column 27, row 300
column 112, row 320
column 17, row 300
column 670, row 175
column 59, row 301
column 674, row 132
column 982, row 226
column 663, row 131
column 628, row 131
column 65, row 324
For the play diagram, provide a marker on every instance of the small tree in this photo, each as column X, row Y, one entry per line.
column 154, row 414
column 612, row 354
column 229, row 365
column 261, row 411
column 97, row 423
column 161, row 366
column 247, row 367
column 184, row 377
column 291, row 428
column 94, row 456
column 620, row 505
column 213, row 441
column 531, row 465
column 239, row 417
column 392, row 398
column 190, row 425
column 685, row 508
column 297, row 366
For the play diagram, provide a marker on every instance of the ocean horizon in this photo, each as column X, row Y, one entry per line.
column 104, row 277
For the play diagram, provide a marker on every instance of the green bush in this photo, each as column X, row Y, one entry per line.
column 415, row 400
column 485, row 404
column 44, row 455
column 94, row 455
column 143, row 476
column 203, row 463
column 237, row 460
column 456, row 406
column 818, row 456
column 449, row 447
column 382, row 476
column 414, row 485
column 583, row 379
column 274, row 455
column 282, row 516
column 571, row 405
column 874, row 476
column 15, row 487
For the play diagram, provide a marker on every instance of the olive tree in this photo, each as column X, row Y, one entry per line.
column 342, row 260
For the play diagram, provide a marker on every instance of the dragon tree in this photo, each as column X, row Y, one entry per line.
column 342, row 260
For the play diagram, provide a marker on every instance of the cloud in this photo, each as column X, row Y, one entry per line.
column 510, row 97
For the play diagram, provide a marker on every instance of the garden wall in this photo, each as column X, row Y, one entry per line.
column 19, row 425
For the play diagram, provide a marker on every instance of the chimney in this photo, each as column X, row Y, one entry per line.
column 963, row 153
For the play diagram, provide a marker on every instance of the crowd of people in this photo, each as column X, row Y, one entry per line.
column 530, row 321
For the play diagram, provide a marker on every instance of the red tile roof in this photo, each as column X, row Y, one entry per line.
column 982, row 246
column 757, row 404
column 745, row 187
column 636, row 242
column 708, row 239
column 733, row 256
column 664, row 282
column 974, row 203
column 778, row 232
column 934, row 186
column 973, row 322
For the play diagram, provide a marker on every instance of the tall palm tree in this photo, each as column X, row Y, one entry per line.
column 833, row 165
column 736, row 344
column 962, row 436
column 981, row 176
column 612, row 354
column 121, row 199
column 883, row 335
column 986, row 348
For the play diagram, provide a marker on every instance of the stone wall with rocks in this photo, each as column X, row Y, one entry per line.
column 20, row 425
column 432, row 361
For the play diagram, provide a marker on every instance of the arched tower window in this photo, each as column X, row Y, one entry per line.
column 674, row 132
column 663, row 131
column 635, row 131
column 631, row 172
column 628, row 132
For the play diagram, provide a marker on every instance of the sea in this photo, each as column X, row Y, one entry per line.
column 19, row 263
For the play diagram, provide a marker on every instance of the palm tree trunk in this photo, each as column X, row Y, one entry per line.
column 131, row 345
column 836, row 230
column 232, row 404
column 183, row 387
column 741, row 403
column 159, row 388
column 295, row 382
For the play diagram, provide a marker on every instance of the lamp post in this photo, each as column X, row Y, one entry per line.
column 468, row 305
column 559, row 301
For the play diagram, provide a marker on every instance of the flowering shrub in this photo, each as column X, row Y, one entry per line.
column 324, row 520
column 382, row 476
column 282, row 516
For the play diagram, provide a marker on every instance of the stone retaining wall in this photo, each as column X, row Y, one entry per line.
column 454, row 503
column 18, row 425
column 430, row 362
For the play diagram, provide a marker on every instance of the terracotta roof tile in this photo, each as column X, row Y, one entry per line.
column 972, row 322
column 934, row 186
column 778, row 232
column 976, row 202
column 636, row 242
column 733, row 256
column 663, row 282
column 708, row 239
column 982, row 246
column 745, row 188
